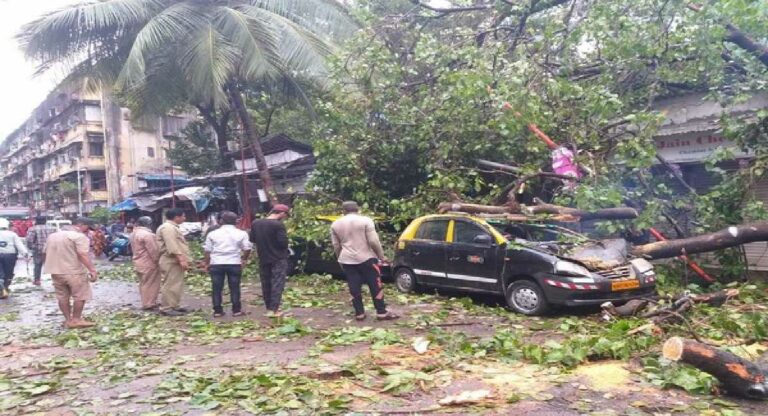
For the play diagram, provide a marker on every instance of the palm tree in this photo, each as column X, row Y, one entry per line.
column 158, row 55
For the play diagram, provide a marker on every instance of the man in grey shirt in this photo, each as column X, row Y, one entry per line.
column 359, row 251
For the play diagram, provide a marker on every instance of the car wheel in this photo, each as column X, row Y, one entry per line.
column 405, row 281
column 526, row 297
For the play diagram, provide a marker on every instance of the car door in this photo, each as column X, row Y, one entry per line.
column 474, row 261
column 427, row 252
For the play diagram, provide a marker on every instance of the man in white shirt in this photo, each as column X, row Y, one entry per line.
column 227, row 249
column 11, row 247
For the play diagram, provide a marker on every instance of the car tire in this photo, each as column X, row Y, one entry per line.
column 405, row 281
column 527, row 298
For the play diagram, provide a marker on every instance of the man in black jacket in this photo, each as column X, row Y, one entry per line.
column 271, row 241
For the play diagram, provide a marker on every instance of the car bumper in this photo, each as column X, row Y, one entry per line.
column 567, row 297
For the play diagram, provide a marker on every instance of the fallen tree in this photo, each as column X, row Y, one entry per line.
column 730, row 237
column 737, row 375
column 619, row 213
column 541, row 208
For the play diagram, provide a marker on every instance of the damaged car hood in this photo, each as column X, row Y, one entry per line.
column 595, row 255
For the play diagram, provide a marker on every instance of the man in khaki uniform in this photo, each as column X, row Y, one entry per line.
column 174, row 262
column 68, row 262
column 146, row 256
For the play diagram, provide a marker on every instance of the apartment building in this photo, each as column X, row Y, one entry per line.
column 72, row 131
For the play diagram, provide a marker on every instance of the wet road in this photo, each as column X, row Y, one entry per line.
column 35, row 306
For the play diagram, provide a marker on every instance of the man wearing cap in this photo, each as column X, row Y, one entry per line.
column 11, row 247
column 271, row 241
column 226, row 252
column 146, row 256
column 36, row 238
column 359, row 251
column 174, row 262
column 68, row 262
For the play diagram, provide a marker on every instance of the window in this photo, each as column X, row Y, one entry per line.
column 465, row 232
column 96, row 149
column 98, row 181
column 432, row 230
column 151, row 151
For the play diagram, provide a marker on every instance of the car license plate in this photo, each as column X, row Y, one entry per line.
column 624, row 285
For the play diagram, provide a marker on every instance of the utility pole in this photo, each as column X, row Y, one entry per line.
column 173, row 185
column 79, row 190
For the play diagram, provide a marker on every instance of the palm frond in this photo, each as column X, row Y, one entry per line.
column 326, row 17
column 256, row 40
column 161, row 33
column 300, row 50
column 71, row 30
column 208, row 62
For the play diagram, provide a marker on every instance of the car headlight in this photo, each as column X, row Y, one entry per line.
column 643, row 266
column 566, row 267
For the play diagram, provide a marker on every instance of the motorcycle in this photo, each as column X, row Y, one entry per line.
column 120, row 246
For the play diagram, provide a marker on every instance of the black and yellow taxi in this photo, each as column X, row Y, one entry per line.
column 533, row 266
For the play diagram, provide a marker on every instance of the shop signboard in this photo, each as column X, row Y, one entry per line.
column 686, row 148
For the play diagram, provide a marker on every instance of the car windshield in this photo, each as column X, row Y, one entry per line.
column 538, row 232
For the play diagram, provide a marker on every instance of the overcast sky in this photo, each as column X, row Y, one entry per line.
column 20, row 92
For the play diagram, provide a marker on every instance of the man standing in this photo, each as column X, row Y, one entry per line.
column 68, row 262
column 271, row 242
column 11, row 247
column 358, row 249
column 174, row 262
column 36, row 238
column 146, row 256
column 226, row 253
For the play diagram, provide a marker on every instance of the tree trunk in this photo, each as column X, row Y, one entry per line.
column 731, row 237
column 474, row 208
column 253, row 139
column 620, row 213
column 221, row 128
column 737, row 375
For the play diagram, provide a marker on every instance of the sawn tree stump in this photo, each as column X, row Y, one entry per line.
column 737, row 375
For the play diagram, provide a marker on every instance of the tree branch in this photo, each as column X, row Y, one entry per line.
column 453, row 9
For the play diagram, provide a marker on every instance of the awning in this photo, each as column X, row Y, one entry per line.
column 163, row 177
column 199, row 195
column 144, row 203
column 127, row 205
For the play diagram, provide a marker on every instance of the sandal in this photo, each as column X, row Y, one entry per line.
column 389, row 316
column 241, row 313
column 360, row 317
column 218, row 314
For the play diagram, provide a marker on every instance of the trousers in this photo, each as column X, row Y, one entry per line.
column 149, row 287
column 38, row 267
column 365, row 273
column 273, row 277
column 231, row 273
column 7, row 265
column 173, row 283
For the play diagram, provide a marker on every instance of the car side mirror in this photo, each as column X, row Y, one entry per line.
column 483, row 239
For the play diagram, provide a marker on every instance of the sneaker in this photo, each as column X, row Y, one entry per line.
column 171, row 312
column 273, row 314
column 36, row 282
column 182, row 310
column 218, row 314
